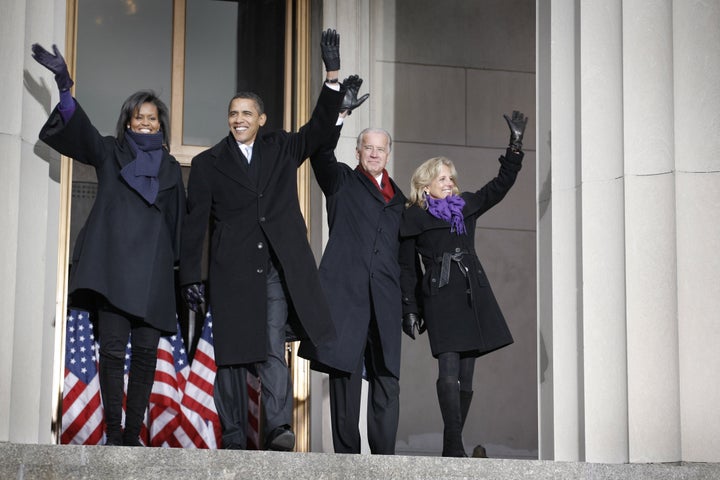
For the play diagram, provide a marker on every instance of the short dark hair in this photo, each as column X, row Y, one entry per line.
column 133, row 104
column 249, row 95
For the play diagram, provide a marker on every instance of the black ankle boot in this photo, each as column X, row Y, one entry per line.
column 140, row 382
column 448, row 390
column 111, row 389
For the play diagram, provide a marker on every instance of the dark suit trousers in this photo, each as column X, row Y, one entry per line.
column 383, row 402
column 277, row 393
column 231, row 398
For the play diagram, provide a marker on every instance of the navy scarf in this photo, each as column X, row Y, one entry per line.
column 142, row 173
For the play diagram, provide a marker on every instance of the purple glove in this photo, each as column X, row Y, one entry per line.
column 54, row 63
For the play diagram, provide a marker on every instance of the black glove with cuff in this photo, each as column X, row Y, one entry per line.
column 352, row 87
column 517, row 128
column 194, row 296
column 330, row 47
column 411, row 323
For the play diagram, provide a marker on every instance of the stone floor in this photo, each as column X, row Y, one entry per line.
column 29, row 462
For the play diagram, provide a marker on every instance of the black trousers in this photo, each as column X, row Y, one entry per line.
column 383, row 409
column 231, row 398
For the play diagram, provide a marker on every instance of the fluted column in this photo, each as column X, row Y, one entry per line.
column 696, row 47
column 566, row 247
column 30, row 173
column 646, row 322
column 603, row 233
column 653, row 396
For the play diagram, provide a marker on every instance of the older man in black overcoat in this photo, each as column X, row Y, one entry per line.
column 261, row 269
column 360, row 275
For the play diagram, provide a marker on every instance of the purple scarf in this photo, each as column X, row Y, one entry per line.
column 448, row 209
column 142, row 173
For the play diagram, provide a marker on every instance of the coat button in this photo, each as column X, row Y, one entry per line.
column 376, row 251
column 262, row 219
column 259, row 270
column 260, row 245
column 457, row 250
column 434, row 280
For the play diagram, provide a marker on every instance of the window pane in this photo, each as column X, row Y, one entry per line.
column 210, row 73
column 122, row 47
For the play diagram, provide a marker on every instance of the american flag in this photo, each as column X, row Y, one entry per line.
column 82, row 413
column 198, row 399
column 166, row 423
column 253, row 430
column 182, row 410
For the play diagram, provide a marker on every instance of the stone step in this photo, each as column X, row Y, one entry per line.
column 30, row 462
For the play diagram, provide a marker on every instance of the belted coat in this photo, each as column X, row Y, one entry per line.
column 249, row 219
column 359, row 271
column 458, row 305
column 127, row 249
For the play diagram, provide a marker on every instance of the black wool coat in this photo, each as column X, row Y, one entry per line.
column 127, row 249
column 463, row 315
column 359, row 271
column 249, row 219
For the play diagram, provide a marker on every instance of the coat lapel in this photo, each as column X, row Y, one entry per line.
column 225, row 160
column 268, row 155
column 371, row 186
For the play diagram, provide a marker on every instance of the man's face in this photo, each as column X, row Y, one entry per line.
column 373, row 153
column 244, row 120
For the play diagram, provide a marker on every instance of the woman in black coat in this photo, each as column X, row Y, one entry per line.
column 453, row 298
column 125, row 254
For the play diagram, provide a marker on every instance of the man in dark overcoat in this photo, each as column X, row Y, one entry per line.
column 360, row 275
column 261, row 268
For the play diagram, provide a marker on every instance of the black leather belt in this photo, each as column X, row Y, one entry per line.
column 457, row 258
column 445, row 260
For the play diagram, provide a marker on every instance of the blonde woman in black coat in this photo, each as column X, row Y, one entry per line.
column 125, row 254
column 453, row 298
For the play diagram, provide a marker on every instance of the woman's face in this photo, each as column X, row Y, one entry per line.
column 442, row 185
column 145, row 119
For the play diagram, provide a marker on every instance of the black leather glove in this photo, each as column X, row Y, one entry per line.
column 330, row 46
column 194, row 296
column 517, row 128
column 352, row 87
column 54, row 63
column 412, row 322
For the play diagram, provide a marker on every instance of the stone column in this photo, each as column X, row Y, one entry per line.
column 566, row 254
column 650, row 218
column 634, row 242
column 29, row 218
column 696, row 60
column 602, row 218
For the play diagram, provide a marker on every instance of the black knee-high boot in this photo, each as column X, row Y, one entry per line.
column 465, row 400
column 448, row 390
column 140, row 382
column 111, row 390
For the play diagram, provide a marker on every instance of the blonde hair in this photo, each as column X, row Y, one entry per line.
column 423, row 177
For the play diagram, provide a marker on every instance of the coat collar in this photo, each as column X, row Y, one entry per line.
column 375, row 192
column 228, row 162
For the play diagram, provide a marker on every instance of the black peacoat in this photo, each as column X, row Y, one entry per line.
column 127, row 249
column 462, row 315
column 359, row 271
column 249, row 220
